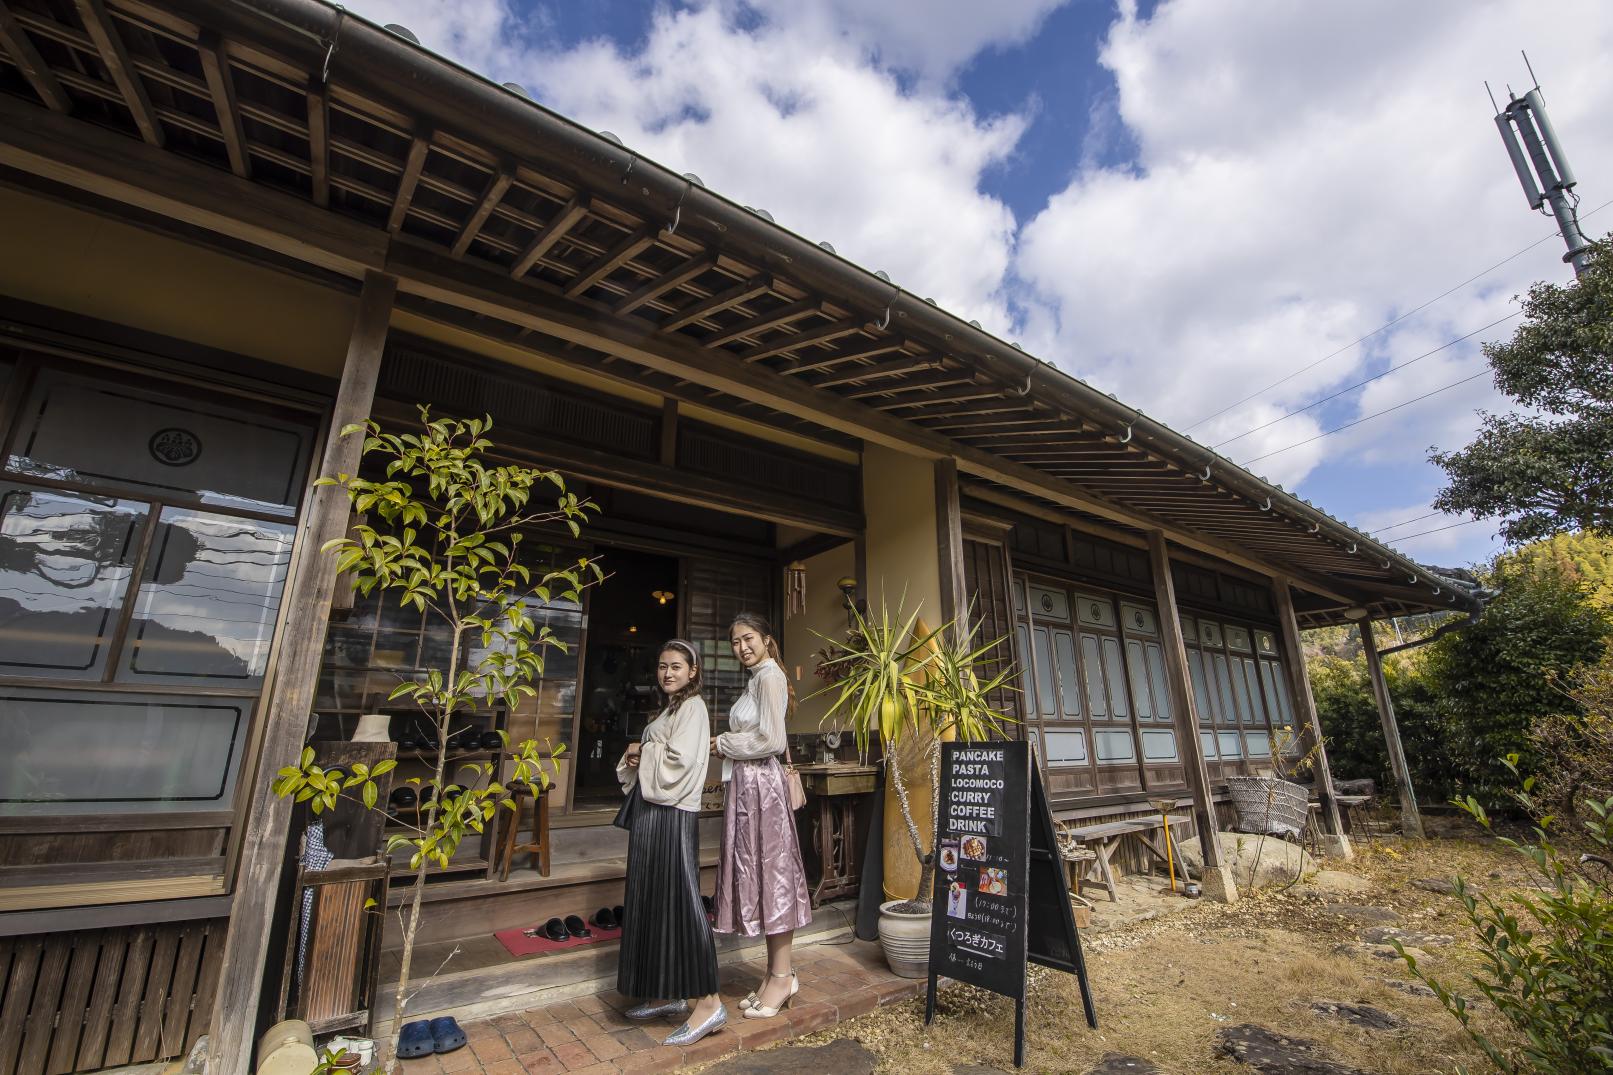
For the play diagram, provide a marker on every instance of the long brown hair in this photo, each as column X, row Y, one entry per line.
column 760, row 625
column 689, row 689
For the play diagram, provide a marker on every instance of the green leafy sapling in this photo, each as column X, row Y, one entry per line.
column 446, row 540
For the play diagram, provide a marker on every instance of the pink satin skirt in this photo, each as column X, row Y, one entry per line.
column 761, row 885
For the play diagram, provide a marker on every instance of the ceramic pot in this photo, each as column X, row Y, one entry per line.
column 905, row 938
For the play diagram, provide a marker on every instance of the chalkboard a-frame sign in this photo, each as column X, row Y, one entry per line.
column 1000, row 894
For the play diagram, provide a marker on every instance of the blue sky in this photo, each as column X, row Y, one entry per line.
column 1182, row 202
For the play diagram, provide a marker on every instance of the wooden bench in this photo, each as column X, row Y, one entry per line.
column 1103, row 839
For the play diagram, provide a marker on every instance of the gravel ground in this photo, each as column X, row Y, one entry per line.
column 1165, row 986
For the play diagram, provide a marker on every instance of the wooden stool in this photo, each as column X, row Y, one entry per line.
column 508, row 846
column 1076, row 862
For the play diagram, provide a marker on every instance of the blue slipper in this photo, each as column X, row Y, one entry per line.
column 415, row 1040
column 447, row 1034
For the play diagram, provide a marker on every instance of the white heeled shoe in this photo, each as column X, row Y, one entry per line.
column 756, row 1010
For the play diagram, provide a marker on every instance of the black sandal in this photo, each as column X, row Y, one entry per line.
column 577, row 927
column 604, row 919
column 555, row 930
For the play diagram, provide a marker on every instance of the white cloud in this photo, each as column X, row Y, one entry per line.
column 789, row 114
column 931, row 38
column 1304, row 174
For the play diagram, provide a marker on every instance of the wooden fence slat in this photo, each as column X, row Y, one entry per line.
column 6, row 945
column 98, row 1017
column 201, row 1009
column 75, row 998
column 47, row 998
column 19, row 987
column 120, row 1041
column 186, row 967
column 149, row 1034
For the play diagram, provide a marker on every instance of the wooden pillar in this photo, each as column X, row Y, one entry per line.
column 1217, row 880
column 1411, row 822
column 669, row 432
column 949, row 547
column 1312, row 739
column 291, row 697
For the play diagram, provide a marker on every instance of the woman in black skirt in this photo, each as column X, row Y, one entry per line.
column 668, row 955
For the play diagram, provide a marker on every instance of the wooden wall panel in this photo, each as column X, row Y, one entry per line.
column 96, row 998
column 71, row 848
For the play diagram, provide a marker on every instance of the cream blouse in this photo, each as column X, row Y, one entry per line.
column 756, row 721
column 673, row 755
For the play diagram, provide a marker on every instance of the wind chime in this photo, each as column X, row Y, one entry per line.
column 795, row 587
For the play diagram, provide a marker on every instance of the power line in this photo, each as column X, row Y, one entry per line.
column 1366, row 418
column 1403, row 522
column 1389, row 324
column 1374, row 377
column 1437, row 529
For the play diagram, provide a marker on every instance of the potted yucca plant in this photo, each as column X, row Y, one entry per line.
column 911, row 688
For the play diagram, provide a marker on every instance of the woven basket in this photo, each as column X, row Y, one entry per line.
column 1267, row 806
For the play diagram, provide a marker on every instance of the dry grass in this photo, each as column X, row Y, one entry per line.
column 1164, row 987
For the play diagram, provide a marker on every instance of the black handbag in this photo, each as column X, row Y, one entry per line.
column 624, row 816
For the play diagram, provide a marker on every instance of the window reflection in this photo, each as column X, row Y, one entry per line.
column 65, row 560
column 208, row 599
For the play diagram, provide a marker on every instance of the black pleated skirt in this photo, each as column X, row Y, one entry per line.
column 667, row 948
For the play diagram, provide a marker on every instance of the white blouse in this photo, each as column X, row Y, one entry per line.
column 673, row 755
column 756, row 722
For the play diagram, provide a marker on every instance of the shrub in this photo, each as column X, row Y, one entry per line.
column 1546, row 956
column 1498, row 678
column 1576, row 750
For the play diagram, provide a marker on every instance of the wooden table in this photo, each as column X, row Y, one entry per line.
column 1102, row 839
column 838, row 789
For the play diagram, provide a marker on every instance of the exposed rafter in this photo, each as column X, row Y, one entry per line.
column 491, row 196
column 109, row 46
column 823, row 334
column 33, row 66
column 629, row 247
column 701, row 309
column 566, row 219
column 668, row 281
column 221, row 85
column 413, row 165
column 773, row 319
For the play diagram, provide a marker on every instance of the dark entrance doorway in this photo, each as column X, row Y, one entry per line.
column 629, row 615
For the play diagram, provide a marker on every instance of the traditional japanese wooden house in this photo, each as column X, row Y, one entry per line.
column 228, row 229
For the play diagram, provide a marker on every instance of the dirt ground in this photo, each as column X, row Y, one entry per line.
column 1163, row 987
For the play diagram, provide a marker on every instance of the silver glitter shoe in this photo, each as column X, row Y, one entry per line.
column 688, row 1035
column 643, row 1013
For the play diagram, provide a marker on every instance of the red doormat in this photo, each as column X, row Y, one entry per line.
column 518, row 944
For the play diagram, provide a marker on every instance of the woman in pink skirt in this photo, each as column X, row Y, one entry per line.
column 761, row 885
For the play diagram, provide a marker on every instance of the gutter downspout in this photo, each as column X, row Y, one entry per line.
column 379, row 62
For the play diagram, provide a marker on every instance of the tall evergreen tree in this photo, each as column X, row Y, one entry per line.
column 1549, row 468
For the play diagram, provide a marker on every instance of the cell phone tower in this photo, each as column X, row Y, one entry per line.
column 1537, row 157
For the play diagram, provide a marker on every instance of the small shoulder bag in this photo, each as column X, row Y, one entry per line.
column 792, row 780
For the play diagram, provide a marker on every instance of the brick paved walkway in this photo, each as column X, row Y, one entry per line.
column 589, row 1036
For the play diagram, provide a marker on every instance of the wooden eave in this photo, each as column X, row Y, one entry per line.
column 518, row 239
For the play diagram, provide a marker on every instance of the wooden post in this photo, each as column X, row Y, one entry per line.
column 1411, row 822
column 290, row 701
column 949, row 548
column 1299, row 686
column 1217, row 880
column 669, row 432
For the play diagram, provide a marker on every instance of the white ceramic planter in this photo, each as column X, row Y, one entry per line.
column 905, row 937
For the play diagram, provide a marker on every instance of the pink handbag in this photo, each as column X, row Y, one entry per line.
column 792, row 781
